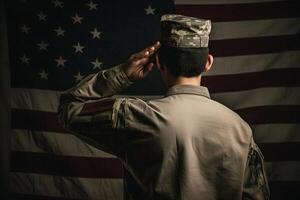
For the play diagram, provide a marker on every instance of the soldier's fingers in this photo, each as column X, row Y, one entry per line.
column 142, row 61
column 142, row 54
column 152, row 49
column 157, row 45
column 148, row 68
column 147, row 51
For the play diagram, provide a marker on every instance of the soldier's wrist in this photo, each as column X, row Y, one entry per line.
column 125, row 69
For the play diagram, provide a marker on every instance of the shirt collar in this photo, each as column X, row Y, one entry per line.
column 188, row 89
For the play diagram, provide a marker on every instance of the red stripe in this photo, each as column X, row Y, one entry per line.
column 271, row 114
column 35, row 120
column 277, row 152
column 97, row 107
column 71, row 166
column 251, row 46
column 237, row 12
column 285, row 190
column 252, row 80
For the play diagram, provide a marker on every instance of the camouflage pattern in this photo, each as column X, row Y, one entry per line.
column 183, row 31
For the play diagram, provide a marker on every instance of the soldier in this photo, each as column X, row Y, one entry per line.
column 182, row 146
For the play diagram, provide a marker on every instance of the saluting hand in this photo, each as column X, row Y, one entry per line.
column 138, row 66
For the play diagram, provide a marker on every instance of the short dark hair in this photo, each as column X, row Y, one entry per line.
column 185, row 62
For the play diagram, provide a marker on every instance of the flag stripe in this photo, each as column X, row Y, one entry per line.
column 45, row 100
column 52, row 142
column 252, row 80
column 237, row 12
column 265, row 133
column 271, row 114
column 278, row 152
column 285, row 190
column 257, row 97
column 66, row 187
column 283, row 171
column 257, row 45
column 36, row 120
column 254, row 63
column 254, row 28
column 62, row 165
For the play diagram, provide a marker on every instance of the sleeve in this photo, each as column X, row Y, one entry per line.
column 91, row 112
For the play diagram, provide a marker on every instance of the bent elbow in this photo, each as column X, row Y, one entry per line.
column 67, row 109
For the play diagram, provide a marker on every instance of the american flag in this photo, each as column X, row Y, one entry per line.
column 54, row 44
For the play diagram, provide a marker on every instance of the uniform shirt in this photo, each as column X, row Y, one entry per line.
column 182, row 146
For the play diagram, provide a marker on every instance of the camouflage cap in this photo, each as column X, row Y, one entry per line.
column 184, row 31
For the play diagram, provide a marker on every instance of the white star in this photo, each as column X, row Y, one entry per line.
column 43, row 75
column 78, row 47
column 42, row 16
column 58, row 3
column 97, row 64
column 59, row 31
column 43, row 45
column 95, row 33
column 78, row 77
column 77, row 19
column 25, row 59
column 150, row 10
column 92, row 5
column 60, row 61
column 25, row 29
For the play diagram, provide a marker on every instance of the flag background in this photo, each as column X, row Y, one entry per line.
column 4, row 107
column 256, row 48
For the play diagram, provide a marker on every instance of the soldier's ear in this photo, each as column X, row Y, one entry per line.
column 209, row 62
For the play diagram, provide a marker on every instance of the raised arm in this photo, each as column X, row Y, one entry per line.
column 89, row 110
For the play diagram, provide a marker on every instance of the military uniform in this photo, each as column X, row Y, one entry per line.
column 182, row 146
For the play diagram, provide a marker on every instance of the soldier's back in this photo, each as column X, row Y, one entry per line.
column 199, row 147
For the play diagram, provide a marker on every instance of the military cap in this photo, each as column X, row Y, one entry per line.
column 183, row 31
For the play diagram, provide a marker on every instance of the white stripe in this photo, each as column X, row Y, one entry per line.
column 254, row 63
column 199, row 2
column 259, row 97
column 55, row 143
column 254, row 28
column 283, row 171
column 68, row 187
column 276, row 133
column 35, row 99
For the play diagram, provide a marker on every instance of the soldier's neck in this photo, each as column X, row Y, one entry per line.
column 184, row 81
